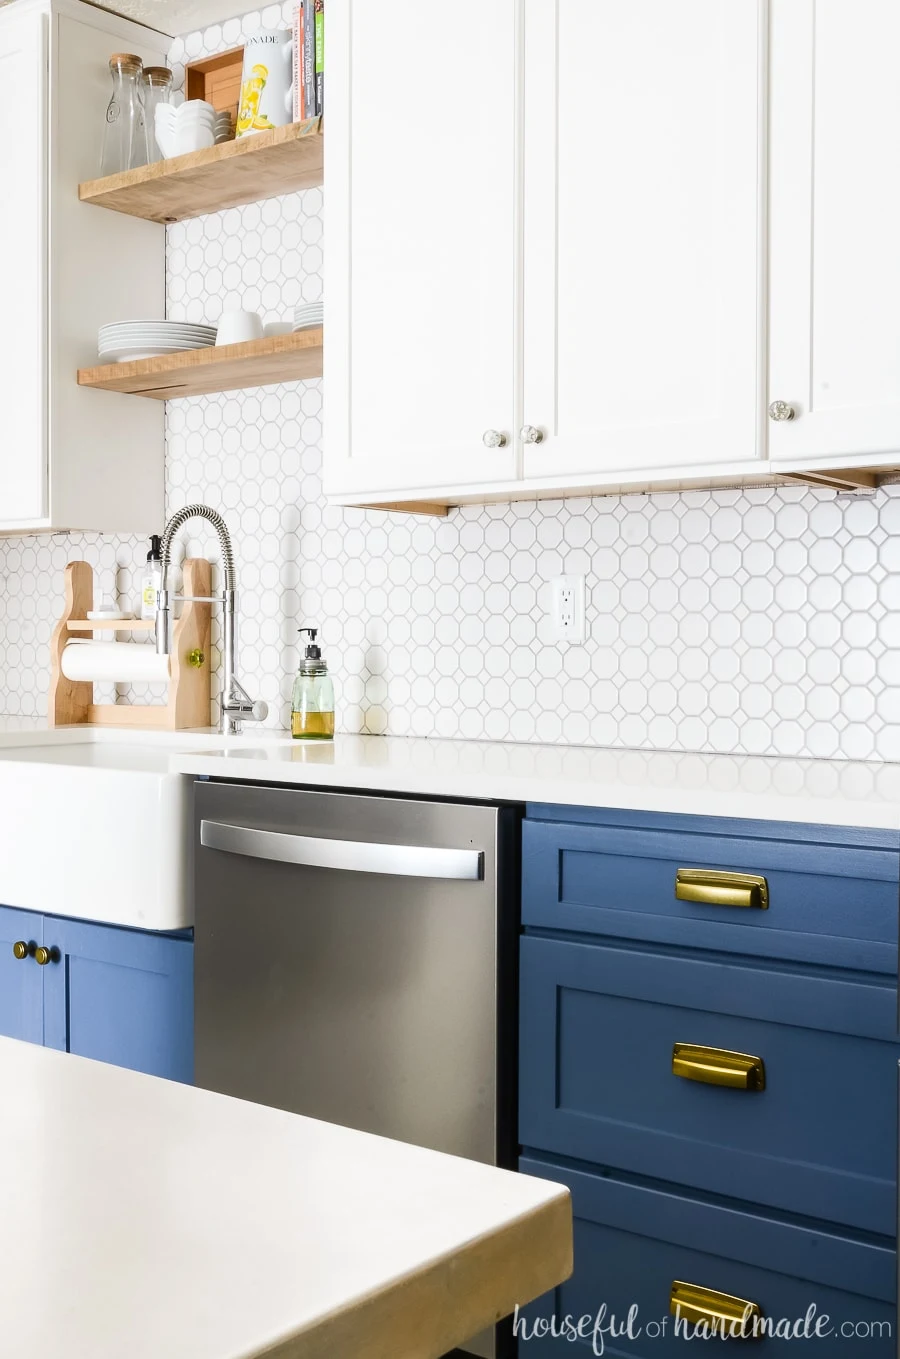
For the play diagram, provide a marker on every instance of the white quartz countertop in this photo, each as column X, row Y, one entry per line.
column 152, row 1220
column 827, row 792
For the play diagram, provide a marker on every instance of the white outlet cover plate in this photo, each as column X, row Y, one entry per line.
column 567, row 608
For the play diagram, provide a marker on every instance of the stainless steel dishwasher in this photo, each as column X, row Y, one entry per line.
column 355, row 960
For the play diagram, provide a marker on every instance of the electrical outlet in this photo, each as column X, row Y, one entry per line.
column 567, row 608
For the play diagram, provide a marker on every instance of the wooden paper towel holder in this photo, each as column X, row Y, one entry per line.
column 72, row 701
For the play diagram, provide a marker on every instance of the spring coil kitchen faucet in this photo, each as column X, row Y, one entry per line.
column 236, row 705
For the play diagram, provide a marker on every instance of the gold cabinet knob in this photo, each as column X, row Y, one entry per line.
column 21, row 949
column 43, row 955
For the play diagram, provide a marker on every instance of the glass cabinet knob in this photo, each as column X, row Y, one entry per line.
column 781, row 410
column 492, row 438
column 530, row 434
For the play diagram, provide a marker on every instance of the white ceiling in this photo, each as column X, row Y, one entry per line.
column 178, row 16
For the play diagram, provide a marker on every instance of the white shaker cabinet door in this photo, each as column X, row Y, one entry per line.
column 421, row 251
column 643, row 220
column 835, row 224
column 23, row 245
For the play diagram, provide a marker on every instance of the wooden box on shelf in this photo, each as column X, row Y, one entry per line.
column 216, row 79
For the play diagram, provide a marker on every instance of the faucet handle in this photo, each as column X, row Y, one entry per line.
column 260, row 710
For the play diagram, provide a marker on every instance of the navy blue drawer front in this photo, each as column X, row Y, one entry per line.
column 598, row 1025
column 833, row 893
column 633, row 1241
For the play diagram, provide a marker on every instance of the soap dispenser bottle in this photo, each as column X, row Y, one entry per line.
column 151, row 579
column 312, row 702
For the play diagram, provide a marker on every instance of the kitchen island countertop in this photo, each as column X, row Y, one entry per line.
column 144, row 1218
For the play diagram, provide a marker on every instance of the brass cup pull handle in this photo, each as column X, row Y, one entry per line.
column 44, row 955
column 718, row 1066
column 736, row 1317
column 713, row 887
column 22, row 950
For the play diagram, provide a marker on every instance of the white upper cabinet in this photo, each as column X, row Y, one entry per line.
column 835, row 229
column 70, row 457
column 421, row 179
column 23, row 245
column 615, row 232
column 643, row 222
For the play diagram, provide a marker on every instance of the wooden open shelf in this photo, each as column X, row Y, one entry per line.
column 243, row 171
column 222, row 368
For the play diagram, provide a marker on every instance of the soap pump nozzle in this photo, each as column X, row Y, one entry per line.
column 313, row 652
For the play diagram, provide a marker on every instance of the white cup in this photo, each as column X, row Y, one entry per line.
column 277, row 328
column 237, row 326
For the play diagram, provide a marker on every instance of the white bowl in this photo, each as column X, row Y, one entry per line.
column 190, row 139
column 237, row 326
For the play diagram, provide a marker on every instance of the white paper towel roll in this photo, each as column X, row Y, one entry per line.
column 121, row 662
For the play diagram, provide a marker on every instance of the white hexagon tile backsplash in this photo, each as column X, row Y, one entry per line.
column 759, row 621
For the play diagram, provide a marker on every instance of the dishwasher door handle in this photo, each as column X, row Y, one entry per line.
column 349, row 856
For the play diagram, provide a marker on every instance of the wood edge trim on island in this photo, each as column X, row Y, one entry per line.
column 488, row 1278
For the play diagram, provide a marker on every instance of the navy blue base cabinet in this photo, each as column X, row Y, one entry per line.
column 632, row 1240
column 21, row 986
column 116, row 995
column 775, row 1189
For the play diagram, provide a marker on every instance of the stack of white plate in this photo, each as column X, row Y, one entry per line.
column 224, row 127
column 124, row 341
column 308, row 314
